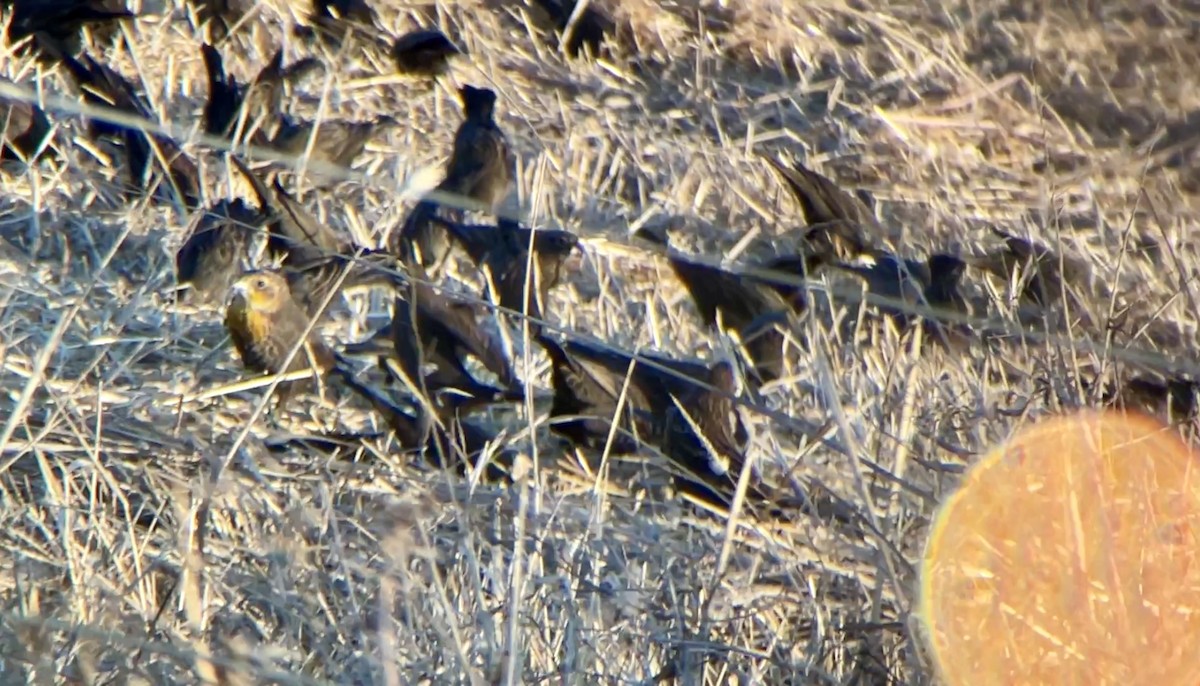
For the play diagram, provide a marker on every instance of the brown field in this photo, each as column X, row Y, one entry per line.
column 157, row 541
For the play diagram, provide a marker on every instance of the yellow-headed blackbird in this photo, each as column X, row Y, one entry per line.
column 585, row 403
column 481, row 168
column 316, row 260
column 840, row 226
column 746, row 304
column 265, row 323
column 262, row 99
column 711, row 447
column 429, row 328
column 218, row 249
column 55, row 24
column 424, row 52
column 503, row 251
column 338, row 142
column 1169, row 396
column 589, row 29
column 26, row 130
column 454, row 443
column 1043, row 271
column 104, row 86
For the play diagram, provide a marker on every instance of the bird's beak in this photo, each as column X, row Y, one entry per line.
column 238, row 295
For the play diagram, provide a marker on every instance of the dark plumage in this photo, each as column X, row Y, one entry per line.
column 840, row 226
column 314, row 256
column 424, row 52
column 1172, row 397
column 481, row 168
column 454, row 443
column 1042, row 270
column 745, row 304
column 338, row 142
column 503, row 251
column 105, row 87
column 588, row 32
column 263, row 98
column 216, row 252
column 56, row 24
column 265, row 323
column 586, row 393
column 430, row 328
column 26, row 131
column 657, row 377
column 712, row 452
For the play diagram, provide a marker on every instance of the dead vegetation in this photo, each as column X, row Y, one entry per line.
column 153, row 540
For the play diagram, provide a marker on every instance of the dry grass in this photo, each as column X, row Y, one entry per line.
column 1075, row 124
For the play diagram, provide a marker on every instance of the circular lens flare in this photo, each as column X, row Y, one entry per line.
column 1069, row 556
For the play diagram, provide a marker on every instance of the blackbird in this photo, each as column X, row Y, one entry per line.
column 1042, row 271
column 503, row 251
column 26, row 131
column 315, row 259
column 711, row 447
column 840, row 227
column 56, row 24
column 103, row 86
column 750, row 305
column 481, row 168
column 1171, row 396
column 430, row 328
column 455, row 444
column 262, row 99
column 338, row 142
column 588, row 32
column 586, row 394
column 658, row 377
column 265, row 323
column 216, row 252
column 424, row 52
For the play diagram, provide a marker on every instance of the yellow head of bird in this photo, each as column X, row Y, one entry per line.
column 260, row 291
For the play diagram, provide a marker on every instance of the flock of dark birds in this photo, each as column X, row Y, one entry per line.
column 603, row 399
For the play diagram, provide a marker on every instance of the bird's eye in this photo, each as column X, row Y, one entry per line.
column 260, row 282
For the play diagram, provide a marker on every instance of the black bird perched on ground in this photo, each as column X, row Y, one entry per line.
column 424, row 52
column 657, row 376
column 430, row 328
column 262, row 99
column 26, row 130
column 1173, row 397
column 265, row 323
column 503, row 252
column 216, row 252
column 481, row 168
column 105, row 87
column 55, row 24
column 589, row 29
column 711, row 447
column 338, row 142
column 749, row 305
column 1042, row 270
column 586, row 394
column 453, row 443
column 840, row 227
column 316, row 260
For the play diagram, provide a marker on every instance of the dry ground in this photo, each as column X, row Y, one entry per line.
column 1074, row 122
